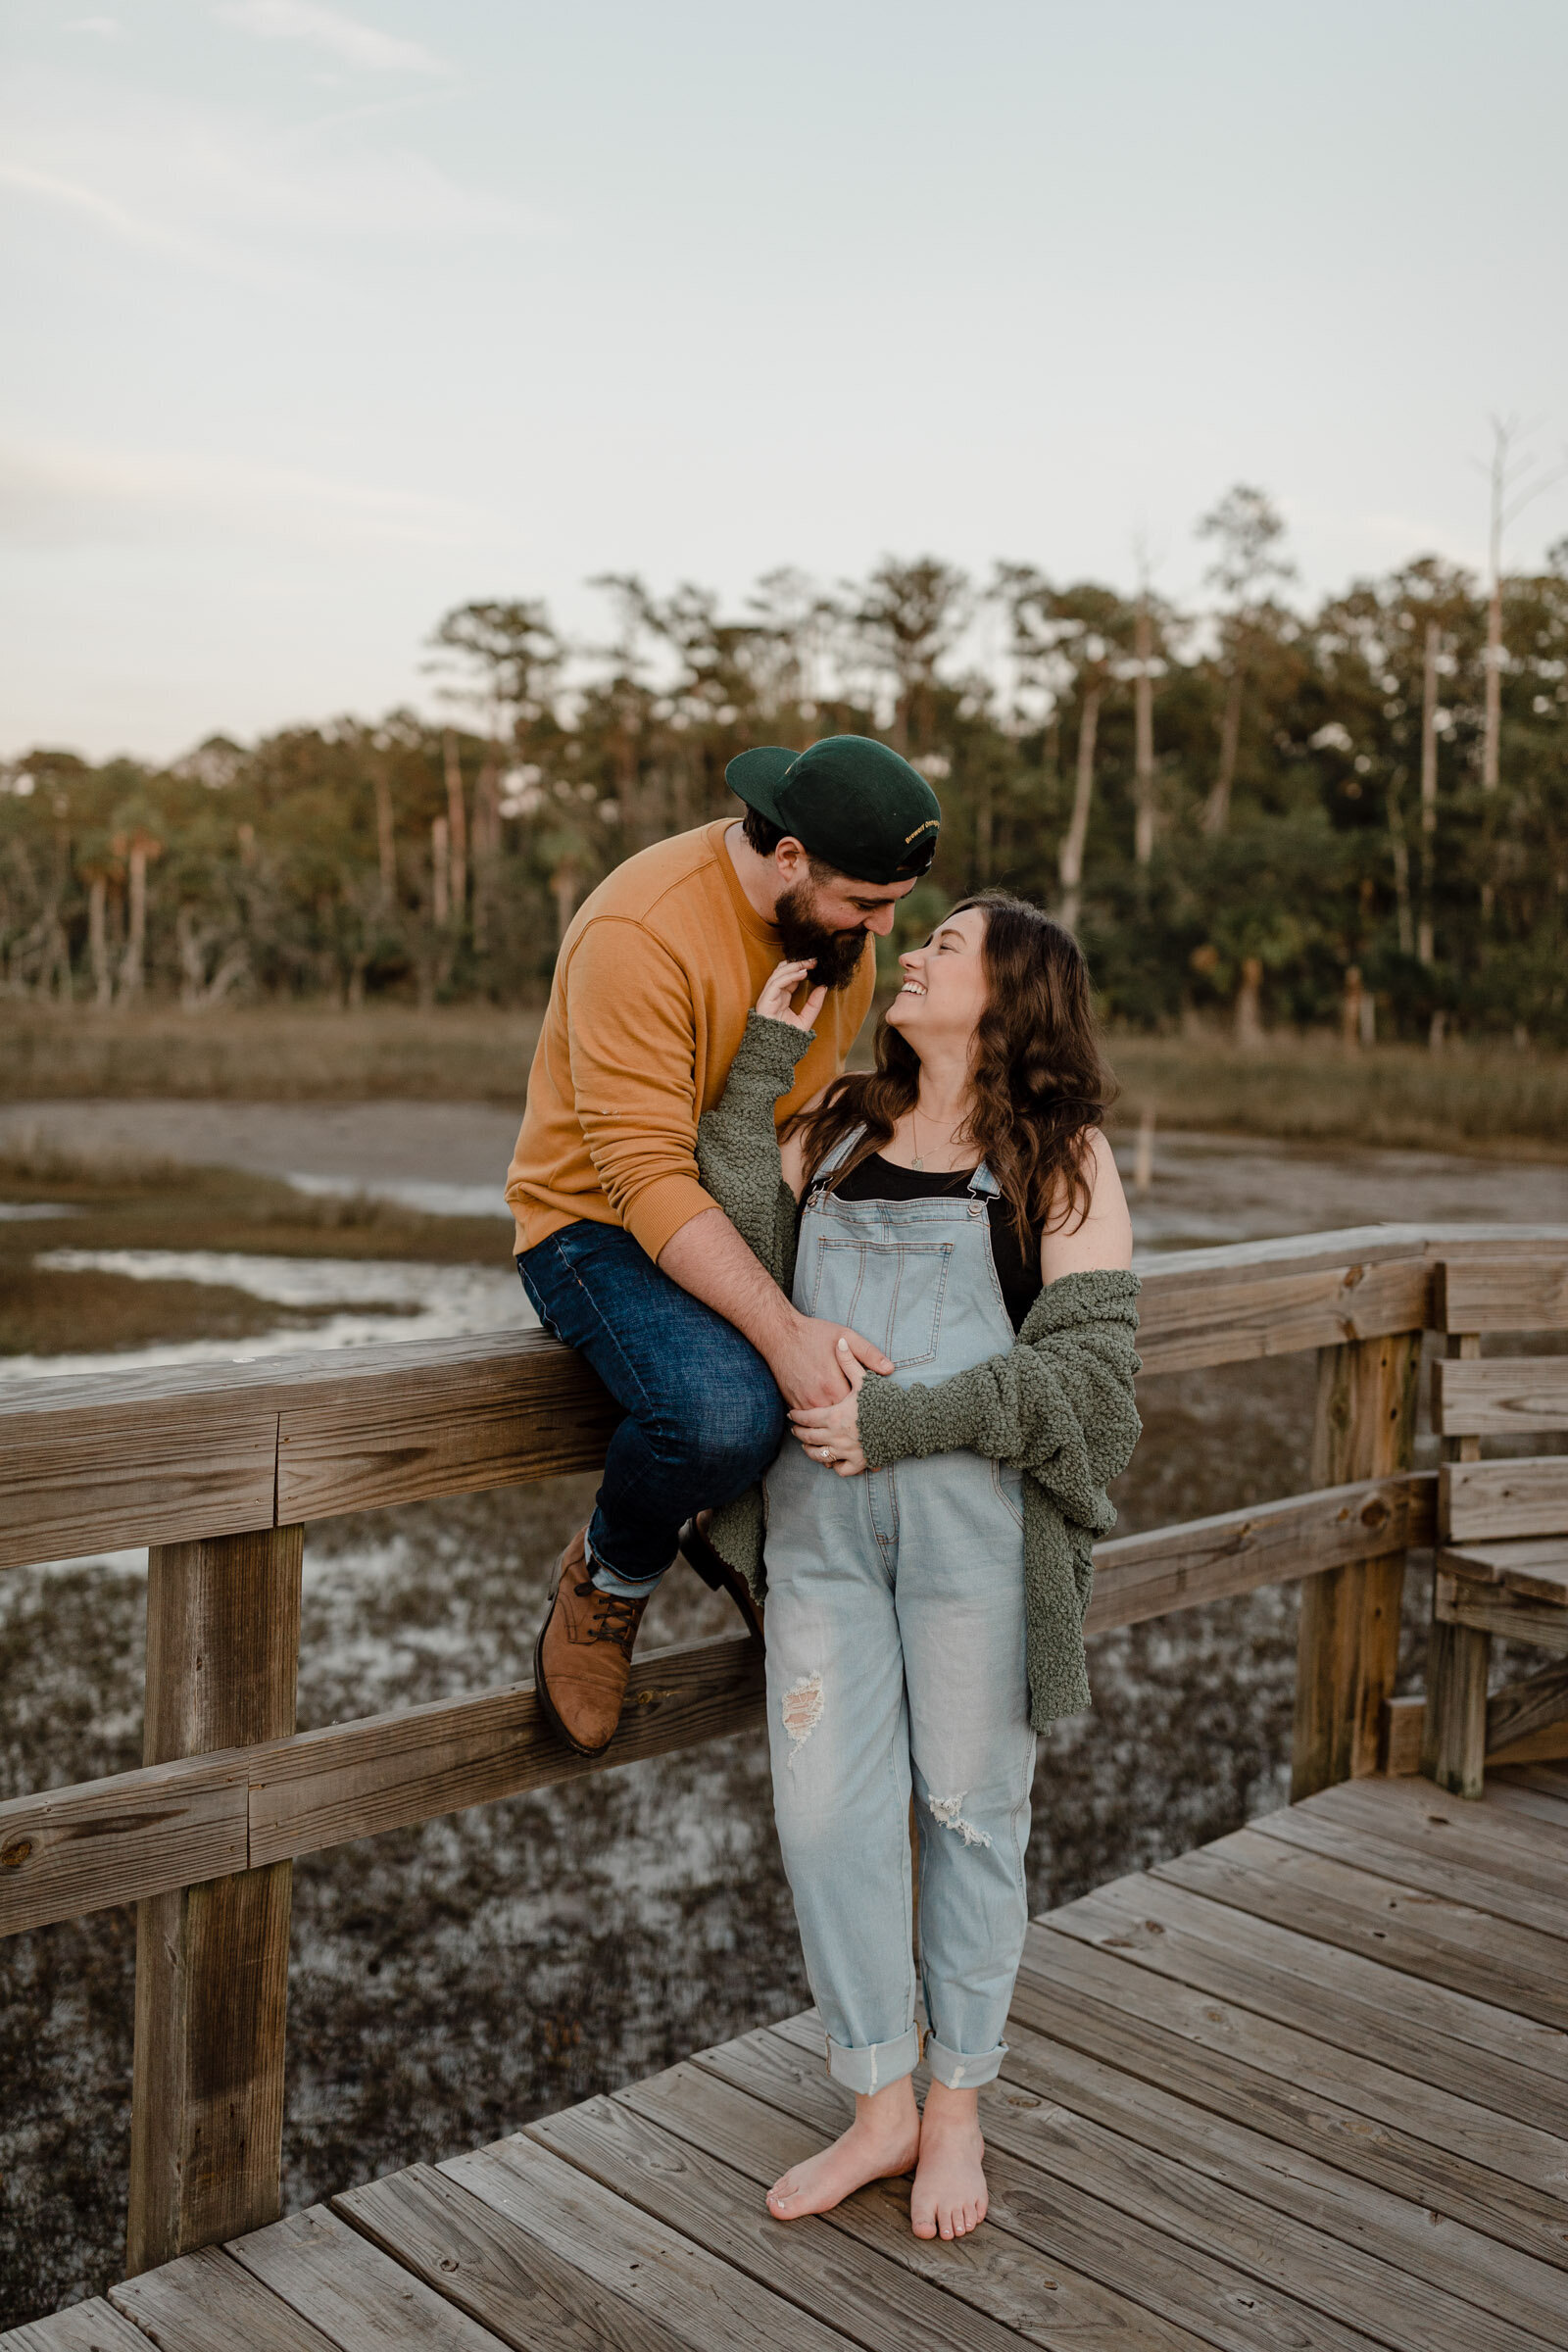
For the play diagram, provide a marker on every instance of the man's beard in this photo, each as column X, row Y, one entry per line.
column 834, row 955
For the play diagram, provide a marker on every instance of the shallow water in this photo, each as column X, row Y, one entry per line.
column 451, row 1981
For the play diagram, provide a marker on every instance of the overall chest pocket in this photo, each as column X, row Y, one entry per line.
column 889, row 1291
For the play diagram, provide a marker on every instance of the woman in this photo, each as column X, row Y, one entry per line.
column 962, row 1209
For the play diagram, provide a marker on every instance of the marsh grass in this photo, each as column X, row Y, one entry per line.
column 1474, row 1096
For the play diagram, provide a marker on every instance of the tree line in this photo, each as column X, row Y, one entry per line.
column 1356, row 816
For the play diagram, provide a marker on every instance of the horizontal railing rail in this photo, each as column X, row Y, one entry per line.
column 111, row 1460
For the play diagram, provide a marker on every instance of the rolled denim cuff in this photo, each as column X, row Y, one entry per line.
column 963, row 2074
column 876, row 2064
column 610, row 1580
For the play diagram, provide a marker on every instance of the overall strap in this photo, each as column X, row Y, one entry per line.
column 829, row 1166
column 984, row 1182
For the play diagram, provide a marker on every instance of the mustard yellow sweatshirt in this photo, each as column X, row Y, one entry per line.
column 653, row 984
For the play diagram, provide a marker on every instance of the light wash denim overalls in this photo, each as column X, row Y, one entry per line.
column 896, row 1657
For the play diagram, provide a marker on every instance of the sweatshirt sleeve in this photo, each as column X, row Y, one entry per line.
column 634, row 1077
column 1058, row 1405
column 737, row 1141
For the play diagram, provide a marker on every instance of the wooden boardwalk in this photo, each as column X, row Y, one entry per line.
column 1304, row 2088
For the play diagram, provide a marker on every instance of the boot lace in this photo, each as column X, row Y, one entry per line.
column 616, row 1618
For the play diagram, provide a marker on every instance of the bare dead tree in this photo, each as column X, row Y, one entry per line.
column 1247, row 527
column 1429, row 790
column 1512, row 489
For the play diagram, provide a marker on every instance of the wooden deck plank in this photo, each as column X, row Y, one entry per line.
column 347, row 2289
column 207, row 2303
column 849, row 2267
column 1045, row 2115
column 1403, row 1927
column 1397, row 1848
column 1482, row 1833
column 1413, row 2028
column 1459, row 2265
column 1058, row 2214
column 1355, row 2085
column 1444, row 2187
column 489, row 2267
column 1508, row 1789
column 1542, row 1779
column 622, row 2248
column 94, row 2326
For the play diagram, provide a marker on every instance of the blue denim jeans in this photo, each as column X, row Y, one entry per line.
column 896, row 1664
column 703, row 1416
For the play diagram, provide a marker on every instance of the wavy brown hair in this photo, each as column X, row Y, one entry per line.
column 1039, row 1081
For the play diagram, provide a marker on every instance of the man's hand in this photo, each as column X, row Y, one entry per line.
column 818, row 1363
column 831, row 1433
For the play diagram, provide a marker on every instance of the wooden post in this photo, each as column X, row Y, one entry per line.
column 1348, row 1649
column 1453, row 1743
column 211, row 1960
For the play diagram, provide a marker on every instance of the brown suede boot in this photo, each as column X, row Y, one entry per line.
column 582, row 1658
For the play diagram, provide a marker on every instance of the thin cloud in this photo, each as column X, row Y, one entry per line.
column 327, row 29
column 55, row 494
column 73, row 197
column 107, row 28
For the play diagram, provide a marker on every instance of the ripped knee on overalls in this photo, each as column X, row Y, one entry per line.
column 949, row 1811
column 800, row 1710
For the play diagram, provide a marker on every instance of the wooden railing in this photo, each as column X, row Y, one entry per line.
column 216, row 1471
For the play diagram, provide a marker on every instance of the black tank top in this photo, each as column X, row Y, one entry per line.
column 1017, row 1270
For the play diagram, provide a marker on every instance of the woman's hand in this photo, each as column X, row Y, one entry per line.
column 774, row 1002
column 830, row 1433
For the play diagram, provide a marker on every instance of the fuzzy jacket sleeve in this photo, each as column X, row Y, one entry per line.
column 737, row 1143
column 1059, row 1404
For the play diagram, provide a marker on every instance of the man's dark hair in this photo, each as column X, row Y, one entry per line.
column 764, row 837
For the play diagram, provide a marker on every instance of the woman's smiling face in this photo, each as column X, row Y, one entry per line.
column 945, row 986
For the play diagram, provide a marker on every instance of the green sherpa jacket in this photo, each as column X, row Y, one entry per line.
column 1059, row 1404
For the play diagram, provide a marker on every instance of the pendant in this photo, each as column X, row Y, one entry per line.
column 917, row 1161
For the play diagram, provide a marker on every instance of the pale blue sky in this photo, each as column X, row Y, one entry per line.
column 323, row 319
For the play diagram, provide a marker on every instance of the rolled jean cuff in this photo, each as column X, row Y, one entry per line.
column 610, row 1580
column 876, row 2064
column 962, row 2074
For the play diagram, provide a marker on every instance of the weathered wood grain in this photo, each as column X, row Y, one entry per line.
column 394, row 1437
column 1136, row 1577
column 1490, row 1501
column 1167, row 2034
column 1188, row 1322
column 1073, row 2214
column 980, row 2297
column 1442, row 1863
column 114, row 1841
column 205, row 2302
column 90, row 1475
column 1347, row 1640
column 1405, row 1926
column 1483, row 1292
column 350, row 2290
column 1478, row 2140
column 94, row 2326
column 211, row 1960
column 1399, row 1745
column 352, row 1780
column 1525, row 1710
column 1329, row 2239
column 1457, row 1600
column 1453, row 1724
column 698, row 2297
column 852, row 2272
column 1501, row 1396
column 1531, row 1567
column 529, row 2296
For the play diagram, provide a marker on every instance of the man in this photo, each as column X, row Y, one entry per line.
column 620, row 1250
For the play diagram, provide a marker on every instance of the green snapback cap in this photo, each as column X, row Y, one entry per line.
column 850, row 799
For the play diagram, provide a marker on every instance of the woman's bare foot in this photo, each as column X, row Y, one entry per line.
column 884, row 2138
column 949, row 2197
